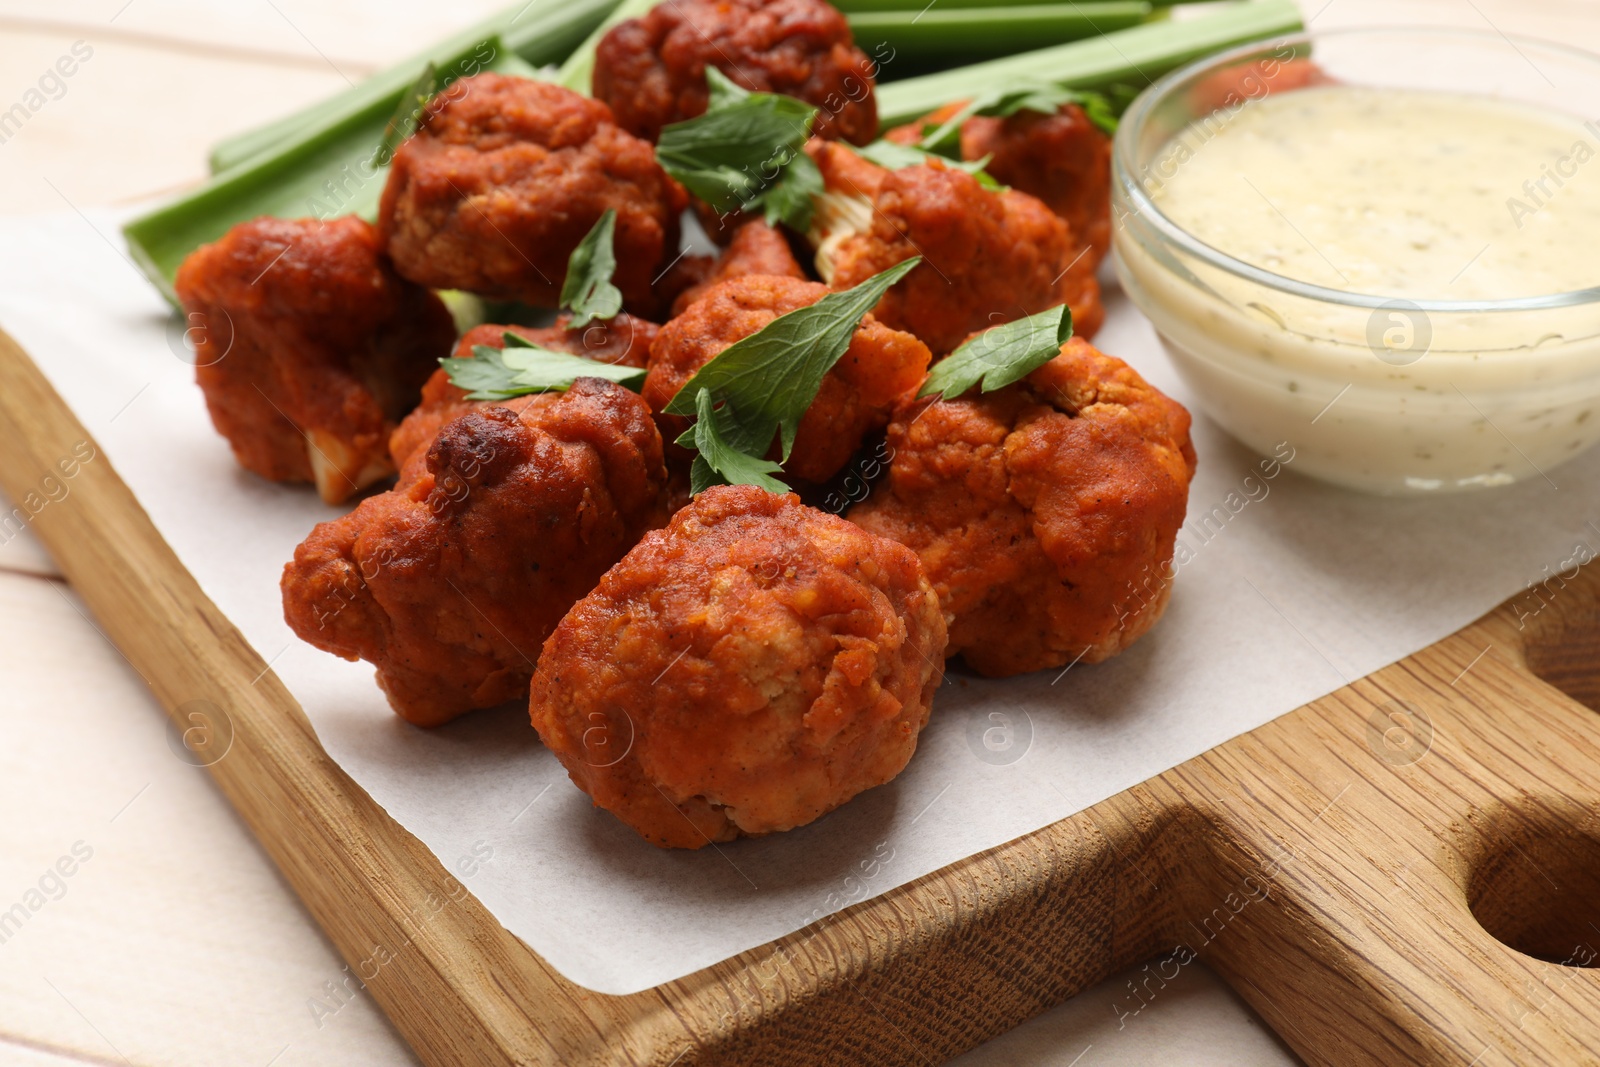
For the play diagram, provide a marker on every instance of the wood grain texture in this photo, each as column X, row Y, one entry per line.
column 1325, row 866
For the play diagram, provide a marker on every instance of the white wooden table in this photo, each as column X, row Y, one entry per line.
column 175, row 941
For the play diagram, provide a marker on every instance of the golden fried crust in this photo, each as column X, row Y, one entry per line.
column 1062, row 158
column 879, row 368
column 746, row 670
column 652, row 70
column 506, row 175
column 624, row 339
column 449, row 583
column 320, row 341
column 846, row 171
column 988, row 257
column 684, row 274
column 1045, row 512
column 756, row 248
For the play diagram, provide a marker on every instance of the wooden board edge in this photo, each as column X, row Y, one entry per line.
column 874, row 984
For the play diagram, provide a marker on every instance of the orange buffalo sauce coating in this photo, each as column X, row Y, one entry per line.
column 448, row 583
column 313, row 348
column 880, row 368
column 987, row 257
column 505, row 176
column 746, row 670
column 1045, row 513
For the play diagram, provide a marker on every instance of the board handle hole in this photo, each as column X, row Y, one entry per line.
column 1560, row 623
column 1536, row 884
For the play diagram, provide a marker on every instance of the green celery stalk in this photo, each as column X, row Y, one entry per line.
column 323, row 173
column 1131, row 56
column 974, row 33
column 577, row 73
column 541, row 32
column 317, row 163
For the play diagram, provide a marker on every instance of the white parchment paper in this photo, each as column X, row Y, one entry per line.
column 1290, row 589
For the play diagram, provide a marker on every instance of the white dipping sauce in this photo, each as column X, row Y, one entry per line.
column 1431, row 196
column 1407, row 194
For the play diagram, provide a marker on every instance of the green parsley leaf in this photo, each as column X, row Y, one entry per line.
column 484, row 378
column 523, row 367
column 1101, row 111
column 790, row 199
column 891, row 155
column 724, row 91
column 744, row 153
column 588, row 292
column 766, row 381
column 403, row 123
column 720, row 459
column 1001, row 355
column 1042, row 97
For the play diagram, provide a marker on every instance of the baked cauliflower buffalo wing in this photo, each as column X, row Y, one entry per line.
column 450, row 582
column 988, row 257
column 881, row 367
column 1044, row 512
column 503, row 179
column 651, row 70
column 756, row 248
column 313, row 348
column 1062, row 158
column 623, row 340
column 746, row 670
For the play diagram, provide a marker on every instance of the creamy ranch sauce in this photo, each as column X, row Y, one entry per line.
column 1399, row 193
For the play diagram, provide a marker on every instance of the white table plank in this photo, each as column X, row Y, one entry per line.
column 177, row 942
column 347, row 35
column 20, row 551
column 173, row 940
column 131, row 121
column 22, row 1054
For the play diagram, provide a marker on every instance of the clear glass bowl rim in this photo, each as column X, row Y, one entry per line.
column 1141, row 205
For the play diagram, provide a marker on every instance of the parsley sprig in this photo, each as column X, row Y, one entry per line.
column 587, row 291
column 496, row 374
column 523, row 367
column 746, row 153
column 721, row 443
column 1001, row 355
column 1047, row 99
column 753, row 391
column 758, row 388
column 892, row 155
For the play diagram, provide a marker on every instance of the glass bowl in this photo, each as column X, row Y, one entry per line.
column 1373, row 392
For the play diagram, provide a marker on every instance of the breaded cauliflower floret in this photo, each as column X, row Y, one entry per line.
column 312, row 348
column 503, row 179
column 449, row 583
column 756, row 248
column 988, row 257
column 623, row 340
column 1045, row 512
column 1062, row 158
column 651, row 70
column 880, row 367
column 746, row 670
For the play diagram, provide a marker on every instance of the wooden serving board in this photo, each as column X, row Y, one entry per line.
column 1358, row 869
